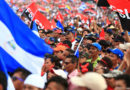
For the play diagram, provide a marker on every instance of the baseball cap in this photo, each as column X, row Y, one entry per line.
column 97, row 45
column 35, row 80
column 124, row 46
column 112, row 74
column 106, row 61
column 91, row 80
column 59, row 72
column 118, row 52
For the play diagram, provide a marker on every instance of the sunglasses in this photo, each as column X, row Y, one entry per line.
column 14, row 78
column 67, row 63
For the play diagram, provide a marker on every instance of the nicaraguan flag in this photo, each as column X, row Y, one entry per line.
column 3, row 69
column 19, row 46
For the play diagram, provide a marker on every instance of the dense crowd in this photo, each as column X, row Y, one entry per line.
column 92, row 54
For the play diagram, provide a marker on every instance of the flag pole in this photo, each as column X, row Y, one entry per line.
column 79, row 45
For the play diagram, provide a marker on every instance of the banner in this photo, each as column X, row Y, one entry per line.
column 30, row 11
column 41, row 21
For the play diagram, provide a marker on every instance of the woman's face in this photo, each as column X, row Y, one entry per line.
column 99, row 68
column 48, row 63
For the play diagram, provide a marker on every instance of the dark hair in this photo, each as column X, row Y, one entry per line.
column 3, row 80
column 91, row 38
column 124, row 77
column 108, row 61
column 24, row 72
column 70, row 50
column 67, row 42
column 58, row 80
column 73, row 58
column 54, row 59
column 104, row 44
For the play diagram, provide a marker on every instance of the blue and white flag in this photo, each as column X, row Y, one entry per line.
column 10, row 85
column 19, row 46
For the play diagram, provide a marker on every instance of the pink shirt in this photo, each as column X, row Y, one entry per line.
column 74, row 73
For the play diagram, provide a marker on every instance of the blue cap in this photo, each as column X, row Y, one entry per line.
column 97, row 45
column 118, row 52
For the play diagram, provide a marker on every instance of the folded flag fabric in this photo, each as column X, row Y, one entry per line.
column 4, row 70
column 19, row 46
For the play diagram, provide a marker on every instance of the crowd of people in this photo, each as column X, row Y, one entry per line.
column 88, row 55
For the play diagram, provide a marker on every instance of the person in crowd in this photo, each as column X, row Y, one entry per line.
column 56, row 83
column 116, row 56
column 103, row 66
column 70, row 65
column 110, row 78
column 18, row 78
column 94, row 52
column 3, row 81
column 50, row 62
column 122, row 82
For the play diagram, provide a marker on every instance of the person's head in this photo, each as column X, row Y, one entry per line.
column 51, row 61
column 104, row 65
column 89, row 81
column 108, row 34
column 69, row 35
column 41, row 33
column 56, row 83
column 68, row 52
column 18, row 78
column 70, row 63
column 3, row 81
column 83, row 57
column 110, row 77
column 105, row 44
column 116, row 55
column 94, row 49
column 34, row 82
column 67, row 43
column 118, row 40
column 58, row 51
column 122, row 82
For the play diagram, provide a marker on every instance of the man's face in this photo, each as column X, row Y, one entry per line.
column 17, row 80
column 69, row 66
column 54, row 86
column 93, row 51
column 111, row 82
column 41, row 34
column 120, row 85
column 113, row 58
column 30, row 87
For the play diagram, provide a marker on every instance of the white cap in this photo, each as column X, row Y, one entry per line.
column 59, row 72
column 35, row 80
column 79, row 29
column 124, row 46
column 91, row 80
